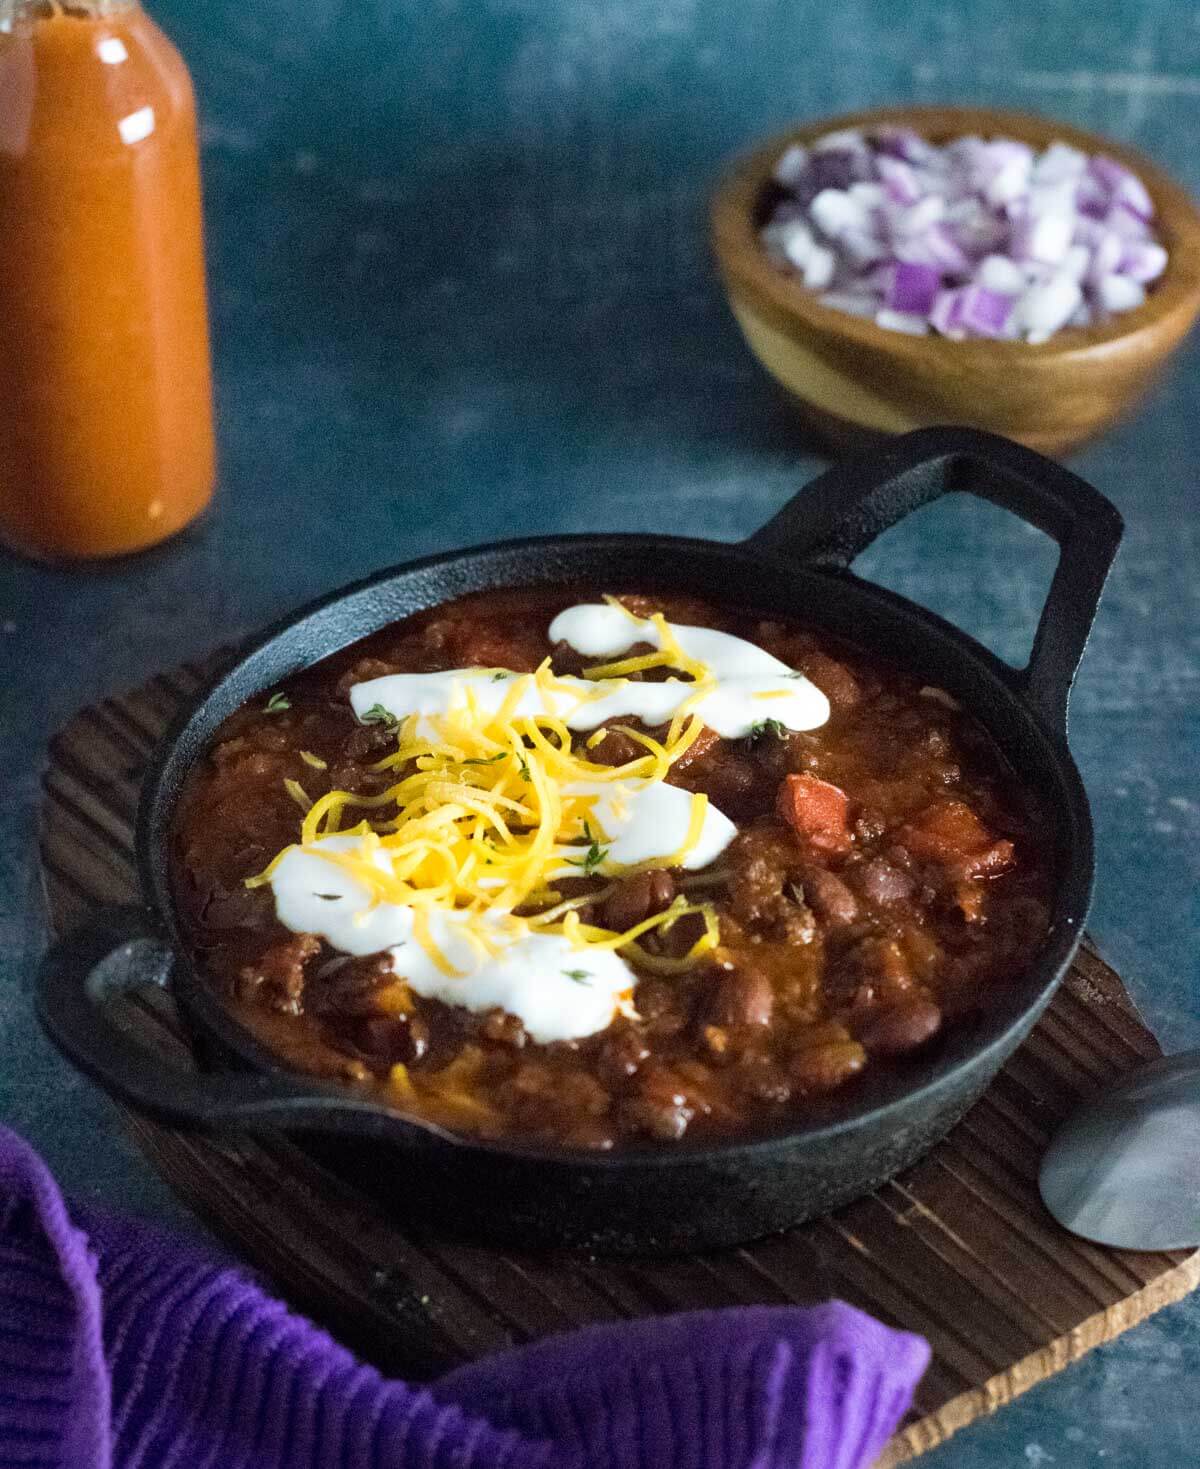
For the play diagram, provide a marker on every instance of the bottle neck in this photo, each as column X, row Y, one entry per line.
column 16, row 12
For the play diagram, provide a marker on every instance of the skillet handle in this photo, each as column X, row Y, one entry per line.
column 118, row 951
column 842, row 511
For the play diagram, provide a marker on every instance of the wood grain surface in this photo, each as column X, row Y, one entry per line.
column 958, row 1248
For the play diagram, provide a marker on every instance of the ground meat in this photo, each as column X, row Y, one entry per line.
column 276, row 978
column 834, row 679
column 891, row 1030
column 362, row 672
column 879, row 882
column 759, row 862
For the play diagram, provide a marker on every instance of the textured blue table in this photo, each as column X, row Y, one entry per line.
column 461, row 290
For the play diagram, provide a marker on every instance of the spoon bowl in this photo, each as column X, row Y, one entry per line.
column 1124, row 1170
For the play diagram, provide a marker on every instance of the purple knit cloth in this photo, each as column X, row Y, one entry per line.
column 121, row 1348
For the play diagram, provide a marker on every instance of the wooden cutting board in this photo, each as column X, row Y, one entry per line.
column 958, row 1248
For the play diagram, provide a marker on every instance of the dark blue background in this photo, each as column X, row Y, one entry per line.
column 461, row 290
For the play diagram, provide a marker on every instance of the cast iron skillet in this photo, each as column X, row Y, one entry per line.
column 684, row 1196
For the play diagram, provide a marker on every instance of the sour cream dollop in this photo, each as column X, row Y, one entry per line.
column 558, row 991
column 751, row 685
column 641, row 822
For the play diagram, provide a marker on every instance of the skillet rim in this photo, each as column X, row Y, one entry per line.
column 969, row 1052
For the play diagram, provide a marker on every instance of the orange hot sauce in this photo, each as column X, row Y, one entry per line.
column 106, row 435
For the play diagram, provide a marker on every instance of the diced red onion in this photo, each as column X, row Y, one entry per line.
column 791, row 166
column 1119, row 293
column 819, row 268
column 1002, row 171
column 977, row 238
column 1143, row 261
column 1108, row 250
column 945, row 251
column 851, row 303
column 863, row 248
column 1125, row 222
column 899, row 321
column 1059, row 161
column 913, row 288
column 1042, row 237
column 1047, row 307
column 984, row 313
column 1123, row 186
column 946, row 315
column 904, row 143
column 834, row 212
column 870, row 196
column 1077, row 262
column 900, row 181
column 998, row 273
column 919, row 217
column 797, row 245
column 834, row 168
column 848, row 140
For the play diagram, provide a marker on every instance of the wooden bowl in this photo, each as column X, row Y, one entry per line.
column 855, row 379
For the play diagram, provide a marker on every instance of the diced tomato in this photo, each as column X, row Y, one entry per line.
column 950, row 834
column 815, row 810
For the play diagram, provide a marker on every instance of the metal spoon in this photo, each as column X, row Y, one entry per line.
column 1124, row 1170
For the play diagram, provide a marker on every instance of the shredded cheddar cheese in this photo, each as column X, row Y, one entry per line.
column 488, row 810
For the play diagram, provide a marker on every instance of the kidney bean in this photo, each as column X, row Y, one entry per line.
column 769, row 1084
column 392, row 1039
column 882, row 962
column 869, row 826
column 829, row 897
column 891, row 1030
column 780, row 754
column 825, row 1067
column 660, row 1106
column 655, row 999
column 742, row 996
column 638, row 896
column 731, row 782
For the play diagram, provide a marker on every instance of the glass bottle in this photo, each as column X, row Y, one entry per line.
column 106, row 433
